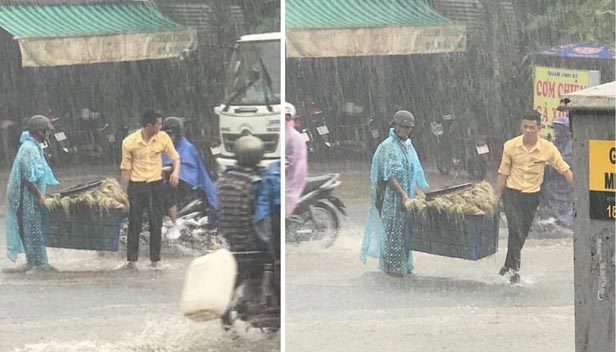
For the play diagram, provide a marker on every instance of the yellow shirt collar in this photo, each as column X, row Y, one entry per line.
column 519, row 142
column 140, row 138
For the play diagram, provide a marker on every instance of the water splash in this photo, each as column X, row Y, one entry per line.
column 177, row 335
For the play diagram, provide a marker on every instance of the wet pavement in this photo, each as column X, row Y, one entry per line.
column 333, row 301
column 89, row 306
column 336, row 303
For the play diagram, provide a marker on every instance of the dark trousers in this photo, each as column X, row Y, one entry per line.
column 520, row 211
column 141, row 196
column 250, row 267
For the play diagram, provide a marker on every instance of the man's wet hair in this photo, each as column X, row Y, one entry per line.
column 150, row 116
column 533, row 116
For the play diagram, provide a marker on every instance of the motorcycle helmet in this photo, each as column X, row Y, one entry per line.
column 40, row 124
column 248, row 151
column 174, row 127
column 404, row 118
column 289, row 111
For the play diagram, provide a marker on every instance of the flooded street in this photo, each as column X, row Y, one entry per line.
column 89, row 306
column 137, row 136
column 335, row 303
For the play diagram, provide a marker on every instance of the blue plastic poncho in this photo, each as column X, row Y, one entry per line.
column 29, row 163
column 268, row 193
column 387, row 235
column 193, row 171
column 556, row 192
column 267, row 206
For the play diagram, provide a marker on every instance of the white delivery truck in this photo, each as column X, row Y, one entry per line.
column 252, row 97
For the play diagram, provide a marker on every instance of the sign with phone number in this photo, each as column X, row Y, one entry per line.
column 602, row 179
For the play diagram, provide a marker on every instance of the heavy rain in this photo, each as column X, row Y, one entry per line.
column 93, row 69
column 459, row 78
column 468, row 72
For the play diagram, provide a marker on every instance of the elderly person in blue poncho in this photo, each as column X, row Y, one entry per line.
column 25, row 195
column 396, row 173
column 194, row 175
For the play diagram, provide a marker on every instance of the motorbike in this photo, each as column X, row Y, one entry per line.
column 458, row 148
column 106, row 138
column 357, row 134
column 316, row 133
column 374, row 137
column 96, row 139
column 58, row 148
column 193, row 214
column 9, row 140
column 256, row 299
column 315, row 217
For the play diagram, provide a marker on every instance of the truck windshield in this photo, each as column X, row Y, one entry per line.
column 253, row 75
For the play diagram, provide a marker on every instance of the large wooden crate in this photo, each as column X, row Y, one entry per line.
column 467, row 237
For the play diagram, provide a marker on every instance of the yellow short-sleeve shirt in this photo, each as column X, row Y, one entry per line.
column 525, row 167
column 144, row 160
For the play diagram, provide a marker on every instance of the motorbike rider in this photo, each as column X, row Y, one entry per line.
column 195, row 179
column 239, row 189
column 296, row 162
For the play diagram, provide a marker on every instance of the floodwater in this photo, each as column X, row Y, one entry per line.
column 89, row 306
column 336, row 303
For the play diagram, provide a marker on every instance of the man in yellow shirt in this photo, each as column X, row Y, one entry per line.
column 141, row 178
column 520, row 176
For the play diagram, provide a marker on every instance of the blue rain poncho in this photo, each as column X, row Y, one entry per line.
column 268, row 192
column 387, row 235
column 267, row 205
column 193, row 171
column 29, row 163
column 556, row 192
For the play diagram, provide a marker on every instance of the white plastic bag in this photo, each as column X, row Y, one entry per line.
column 208, row 286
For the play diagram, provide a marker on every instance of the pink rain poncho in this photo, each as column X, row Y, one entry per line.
column 296, row 167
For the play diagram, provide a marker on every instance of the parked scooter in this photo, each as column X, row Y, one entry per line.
column 105, row 136
column 9, row 141
column 315, row 217
column 459, row 148
column 357, row 135
column 95, row 139
column 375, row 137
column 316, row 130
column 59, row 149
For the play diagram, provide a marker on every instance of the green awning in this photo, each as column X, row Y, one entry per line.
column 52, row 35
column 329, row 28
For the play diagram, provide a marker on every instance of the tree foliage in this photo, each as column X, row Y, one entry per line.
column 269, row 24
column 590, row 21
